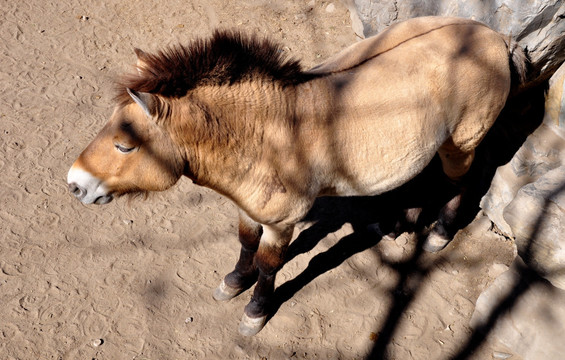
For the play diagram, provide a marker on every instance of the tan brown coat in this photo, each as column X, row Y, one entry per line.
column 234, row 116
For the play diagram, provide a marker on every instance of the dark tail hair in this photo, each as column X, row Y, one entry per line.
column 519, row 63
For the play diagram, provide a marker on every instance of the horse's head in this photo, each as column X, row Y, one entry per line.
column 133, row 153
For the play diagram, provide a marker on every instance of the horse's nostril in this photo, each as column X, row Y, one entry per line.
column 77, row 190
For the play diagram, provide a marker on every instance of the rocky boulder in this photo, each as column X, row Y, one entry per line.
column 536, row 217
column 526, row 199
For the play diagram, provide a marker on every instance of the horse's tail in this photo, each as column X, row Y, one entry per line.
column 519, row 63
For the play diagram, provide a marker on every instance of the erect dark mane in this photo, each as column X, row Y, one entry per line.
column 227, row 57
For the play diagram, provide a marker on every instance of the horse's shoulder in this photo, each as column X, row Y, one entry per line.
column 387, row 40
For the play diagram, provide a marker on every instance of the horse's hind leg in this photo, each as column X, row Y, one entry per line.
column 245, row 272
column 445, row 227
column 405, row 220
column 456, row 163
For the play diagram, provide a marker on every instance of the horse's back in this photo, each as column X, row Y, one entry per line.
column 396, row 35
column 397, row 97
column 431, row 63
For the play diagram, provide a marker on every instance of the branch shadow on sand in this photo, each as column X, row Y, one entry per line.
column 429, row 191
column 329, row 214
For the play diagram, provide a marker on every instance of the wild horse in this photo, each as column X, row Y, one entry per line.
column 232, row 113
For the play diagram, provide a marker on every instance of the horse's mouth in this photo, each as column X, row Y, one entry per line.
column 101, row 200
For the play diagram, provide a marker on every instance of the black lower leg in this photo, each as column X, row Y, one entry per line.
column 245, row 272
column 409, row 220
column 260, row 302
column 405, row 221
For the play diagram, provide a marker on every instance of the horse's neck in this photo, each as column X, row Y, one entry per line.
column 223, row 128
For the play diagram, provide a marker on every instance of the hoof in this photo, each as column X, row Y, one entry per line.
column 435, row 242
column 376, row 229
column 389, row 237
column 225, row 292
column 249, row 326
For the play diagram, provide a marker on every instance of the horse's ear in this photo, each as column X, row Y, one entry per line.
column 141, row 59
column 147, row 101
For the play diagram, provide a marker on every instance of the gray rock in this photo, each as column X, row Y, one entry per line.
column 526, row 198
column 504, row 187
column 543, row 151
column 526, row 201
column 555, row 101
column 536, row 218
column 533, row 325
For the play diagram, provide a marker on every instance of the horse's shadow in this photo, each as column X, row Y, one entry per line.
column 429, row 191
column 370, row 218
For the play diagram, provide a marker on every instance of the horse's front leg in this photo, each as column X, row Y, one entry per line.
column 245, row 272
column 268, row 259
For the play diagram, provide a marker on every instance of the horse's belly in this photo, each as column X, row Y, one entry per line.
column 377, row 176
column 374, row 159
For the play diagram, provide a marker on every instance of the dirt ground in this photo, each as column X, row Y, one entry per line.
column 133, row 280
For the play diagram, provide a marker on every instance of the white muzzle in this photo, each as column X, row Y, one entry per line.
column 87, row 188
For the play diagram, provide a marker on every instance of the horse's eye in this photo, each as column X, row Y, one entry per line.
column 124, row 149
column 125, row 125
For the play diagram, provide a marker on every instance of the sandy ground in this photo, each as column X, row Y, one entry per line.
column 134, row 280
